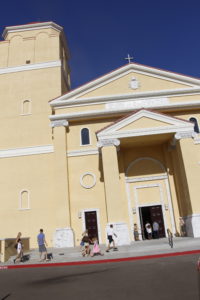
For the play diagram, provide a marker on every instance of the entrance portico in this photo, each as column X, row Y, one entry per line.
column 144, row 141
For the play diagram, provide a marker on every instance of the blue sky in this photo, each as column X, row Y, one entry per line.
column 100, row 34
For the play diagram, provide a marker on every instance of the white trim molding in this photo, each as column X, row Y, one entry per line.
column 82, row 152
column 85, row 185
column 146, row 178
column 179, row 106
column 31, row 26
column 33, row 150
column 157, row 98
column 30, row 67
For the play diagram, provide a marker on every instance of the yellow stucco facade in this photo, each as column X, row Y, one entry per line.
column 122, row 149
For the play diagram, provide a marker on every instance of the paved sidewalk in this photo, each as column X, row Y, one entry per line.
column 136, row 249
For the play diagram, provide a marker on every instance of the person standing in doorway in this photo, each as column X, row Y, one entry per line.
column 42, row 244
column 148, row 230
column 110, row 235
column 155, row 230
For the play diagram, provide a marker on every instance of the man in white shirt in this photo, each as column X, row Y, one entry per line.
column 110, row 235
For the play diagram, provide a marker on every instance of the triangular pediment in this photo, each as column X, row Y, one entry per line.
column 128, row 80
column 144, row 122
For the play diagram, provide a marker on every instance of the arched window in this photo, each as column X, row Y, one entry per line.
column 26, row 107
column 24, row 202
column 195, row 122
column 85, row 136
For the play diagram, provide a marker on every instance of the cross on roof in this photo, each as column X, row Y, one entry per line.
column 129, row 58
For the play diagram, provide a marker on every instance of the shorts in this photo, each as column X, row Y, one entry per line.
column 42, row 248
column 110, row 238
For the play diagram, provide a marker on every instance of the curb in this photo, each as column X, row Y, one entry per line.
column 114, row 260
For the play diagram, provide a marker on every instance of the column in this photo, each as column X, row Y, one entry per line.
column 189, row 162
column 113, row 194
column 171, row 192
column 63, row 236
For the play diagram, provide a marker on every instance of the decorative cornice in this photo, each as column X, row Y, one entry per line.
column 108, row 142
column 31, row 26
column 29, row 67
column 26, row 151
column 59, row 123
column 107, row 112
column 63, row 101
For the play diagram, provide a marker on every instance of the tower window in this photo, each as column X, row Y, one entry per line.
column 24, row 200
column 85, row 136
column 26, row 107
column 195, row 122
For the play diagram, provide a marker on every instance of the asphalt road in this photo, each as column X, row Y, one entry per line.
column 171, row 278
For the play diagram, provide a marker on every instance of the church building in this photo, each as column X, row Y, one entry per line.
column 123, row 149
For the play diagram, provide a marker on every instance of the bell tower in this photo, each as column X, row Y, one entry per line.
column 34, row 69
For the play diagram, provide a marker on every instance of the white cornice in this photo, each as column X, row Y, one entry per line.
column 26, row 151
column 30, row 26
column 124, row 97
column 147, row 131
column 28, row 67
column 107, row 112
column 72, row 153
column 123, row 71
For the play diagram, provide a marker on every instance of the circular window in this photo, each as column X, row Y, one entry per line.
column 88, row 180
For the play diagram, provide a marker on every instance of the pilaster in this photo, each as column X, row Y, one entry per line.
column 63, row 236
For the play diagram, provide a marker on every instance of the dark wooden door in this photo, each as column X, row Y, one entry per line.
column 157, row 215
column 91, row 224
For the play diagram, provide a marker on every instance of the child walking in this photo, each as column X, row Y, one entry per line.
column 96, row 249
